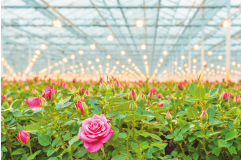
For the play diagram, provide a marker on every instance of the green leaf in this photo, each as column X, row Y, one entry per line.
column 232, row 150
column 134, row 146
column 53, row 158
column 159, row 145
column 122, row 135
column 199, row 93
column 64, row 105
column 155, row 137
column 93, row 155
column 16, row 104
column 211, row 113
column 192, row 88
column 222, row 143
column 50, row 152
column 120, row 157
column 192, row 111
column 81, row 152
column 230, row 135
column 18, row 151
column 216, row 151
column 66, row 100
column 33, row 127
column 227, row 113
column 199, row 134
column 174, row 153
column 34, row 155
column 94, row 101
column 213, row 92
column 179, row 137
column 4, row 149
column 211, row 133
column 44, row 140
column 195, row 156
column 112, row 113
column 122, row 107
column 55, row 141
column 75, row 139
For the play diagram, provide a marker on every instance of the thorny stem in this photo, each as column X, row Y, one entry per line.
column 9, row 148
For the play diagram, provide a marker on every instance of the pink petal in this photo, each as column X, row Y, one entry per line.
column 93, row 147
column 104, row 140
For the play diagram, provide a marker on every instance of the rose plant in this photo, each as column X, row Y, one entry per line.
column 116, row 120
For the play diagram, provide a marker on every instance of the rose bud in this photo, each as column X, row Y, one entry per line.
column 117, row 85
column 169, row 117
column 103, row 89
column 23, row 136
column 81, row 90
column 133, row 106
column 132, row 95
column 236, row 122
column 109, row 88
column 49, row 93
column 82, row 107
column 204, row 117
column 237, row 99
column 160, row 105
column 152, row 89
column 34, row 102
column 225, row 96
column 148, row 103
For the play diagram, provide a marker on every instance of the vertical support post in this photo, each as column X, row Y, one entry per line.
column 202, row 48
column 1, row 62
column 189, row 59
column 228, row 39
column 63, row 69
column 29, row 60
column 182, row 60
column 48, row 59
column 73, row 63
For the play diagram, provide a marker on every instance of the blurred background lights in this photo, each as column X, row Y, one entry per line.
column 145, row 57
column 65, row 59
column 210, row 53
column 57, row 23
column 89, row 62
column 143, row 46
column 37, row 52
column 81, row 52
column 110, row 38
column 129, row 60
column 183, row 57
column 108, row 56
column 92, row 46
column 164, row 53
column 220, row 57
column 122, row 53
column 233, row 63
column 196, row 46
column 139, row 23
column 161, row 60
column 43, row 46
column 97, row 60
column 194, row 60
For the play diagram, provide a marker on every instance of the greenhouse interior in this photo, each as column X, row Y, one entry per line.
column 120, row 79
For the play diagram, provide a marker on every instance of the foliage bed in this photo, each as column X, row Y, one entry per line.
column 157, row 120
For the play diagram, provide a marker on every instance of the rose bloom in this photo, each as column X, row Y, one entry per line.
column 23, row 136
column 34, row 102
column 95, row 132
column 49, row 91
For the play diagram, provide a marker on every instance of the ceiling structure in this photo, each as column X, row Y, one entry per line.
column 174, row 26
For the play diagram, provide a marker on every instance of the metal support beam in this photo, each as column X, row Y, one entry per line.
column 228, row 39
column 48, row 59
column 202, row 48
column 189, row 59
column 29, row 59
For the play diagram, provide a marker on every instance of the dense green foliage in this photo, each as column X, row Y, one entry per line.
column 169, row 121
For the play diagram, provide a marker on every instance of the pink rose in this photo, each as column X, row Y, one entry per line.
column 34, row 102
column 152, row 89
column 23, row 136
column 81, row 89
column 95, row 132
column 49, row 92
column 3, row 96
column 148, row 103
column 79, row 106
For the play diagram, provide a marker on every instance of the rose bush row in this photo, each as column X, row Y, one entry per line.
column 52, row 119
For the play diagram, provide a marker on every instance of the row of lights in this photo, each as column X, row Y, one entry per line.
column 5, row 63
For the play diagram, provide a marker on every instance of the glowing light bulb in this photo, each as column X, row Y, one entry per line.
column 129, row 60
column 196, row 46
column 110, row 38
column 164, row 53
column 133, row 64
column 146, row 62
column 143, row 46
column 100, row 66
column 117, row 62
column 114, row 67
column 92, row 67
column 97, row 60
column 122, row 53
column 218, row 67
column 220, row 57
column 194, row 60
column 72, row 56
column 89, row 62
column 43, row 46
column 139, row 23
column 35, row 56
column 210, row 53
column 37, row 52
column 204, row 63
column 57, row 23
column 145, row 57
column 175, row 63
column 65, row 60
column 158, row 65
column 56, row 64
column 233, row 63
column 161, row 60
column 81, row 52
column 185, row 65
column 92, row 46
column 212, row 65
column 225, row 23
column 33, row 59
column 123, row 66
column 183, row 57
column 108, row 56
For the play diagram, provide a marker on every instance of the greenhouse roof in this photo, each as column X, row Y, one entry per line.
column 174, row 26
